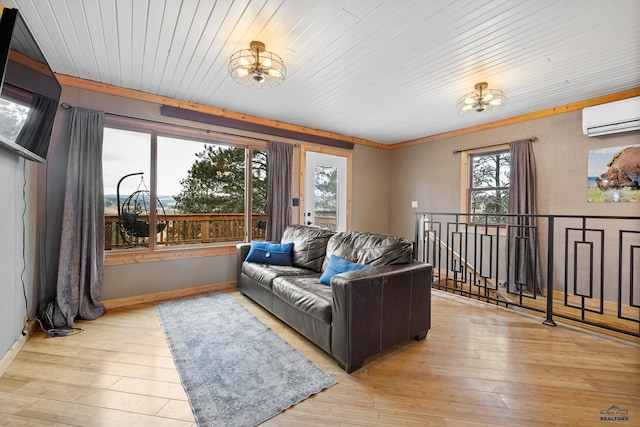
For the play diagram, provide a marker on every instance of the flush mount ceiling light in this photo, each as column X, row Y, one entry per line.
column 482, row 99
column 257, row 67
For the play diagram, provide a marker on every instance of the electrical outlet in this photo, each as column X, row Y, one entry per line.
column 414, row 203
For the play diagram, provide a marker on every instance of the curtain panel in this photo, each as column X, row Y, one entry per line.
column 279, row 189
column 523, row 255
column 81, row 261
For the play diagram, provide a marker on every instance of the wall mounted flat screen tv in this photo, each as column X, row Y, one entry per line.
column 29, row 91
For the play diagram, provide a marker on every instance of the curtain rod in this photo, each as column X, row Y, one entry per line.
column 271, row 130
column 66, row 106
column 210, row 132
column 532, row 139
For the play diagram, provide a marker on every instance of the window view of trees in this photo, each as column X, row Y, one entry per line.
column 259, row 169
column 326, row 187
column 326, row 196
column 200, row 187
column 215, row 182
column 489, row 192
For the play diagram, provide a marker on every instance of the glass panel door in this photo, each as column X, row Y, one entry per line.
column 325, row 191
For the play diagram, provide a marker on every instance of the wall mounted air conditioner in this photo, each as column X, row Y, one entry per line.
column 613, row 117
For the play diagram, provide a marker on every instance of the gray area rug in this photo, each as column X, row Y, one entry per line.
column 235, row 370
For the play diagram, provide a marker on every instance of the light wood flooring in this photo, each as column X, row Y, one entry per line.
column 480, row 365
column 608, row 319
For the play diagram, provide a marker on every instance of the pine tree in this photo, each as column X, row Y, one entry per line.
column 491, row 172
column 216, row 182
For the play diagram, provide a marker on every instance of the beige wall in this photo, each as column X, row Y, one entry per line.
column 431, row 174
column 370, row 195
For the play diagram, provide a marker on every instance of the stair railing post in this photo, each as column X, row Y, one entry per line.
column 550, row 243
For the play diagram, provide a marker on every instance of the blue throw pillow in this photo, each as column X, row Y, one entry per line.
column 270, row 253
column 337, row 265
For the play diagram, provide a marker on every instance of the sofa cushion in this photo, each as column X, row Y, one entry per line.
column 337, row 265
column 264, row 273
column 270, row 253
column 309, row 245
column 369, row 248
column 306, row 294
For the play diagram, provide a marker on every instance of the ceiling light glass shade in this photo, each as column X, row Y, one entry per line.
column 256, row 67
column 482, row 99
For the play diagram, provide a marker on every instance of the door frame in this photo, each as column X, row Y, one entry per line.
column 303, row 160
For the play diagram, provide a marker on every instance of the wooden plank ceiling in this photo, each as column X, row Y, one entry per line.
column 383, row 70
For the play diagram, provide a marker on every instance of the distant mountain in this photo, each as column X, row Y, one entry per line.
column 111, row 203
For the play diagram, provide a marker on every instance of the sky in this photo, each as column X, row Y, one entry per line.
column 126, row 152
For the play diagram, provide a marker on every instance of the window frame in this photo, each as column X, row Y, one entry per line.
column 156, row 129
column 467, row 180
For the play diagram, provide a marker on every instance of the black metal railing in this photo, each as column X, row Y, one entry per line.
column 580, row 268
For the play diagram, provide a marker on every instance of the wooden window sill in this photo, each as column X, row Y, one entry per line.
column 135, row 256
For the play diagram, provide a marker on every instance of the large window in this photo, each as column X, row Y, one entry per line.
column 489, row 186
column 171, row 191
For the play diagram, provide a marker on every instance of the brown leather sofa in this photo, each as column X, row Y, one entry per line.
column 362, row 312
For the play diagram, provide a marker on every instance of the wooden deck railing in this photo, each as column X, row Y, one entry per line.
column 196, row 228
column 187, row 229
column 328, row 222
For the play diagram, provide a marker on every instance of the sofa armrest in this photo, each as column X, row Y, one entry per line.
column 242, row 250
column 375, row 308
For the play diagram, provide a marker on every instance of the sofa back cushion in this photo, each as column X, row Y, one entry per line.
column 309, row 245
column 369, row 248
